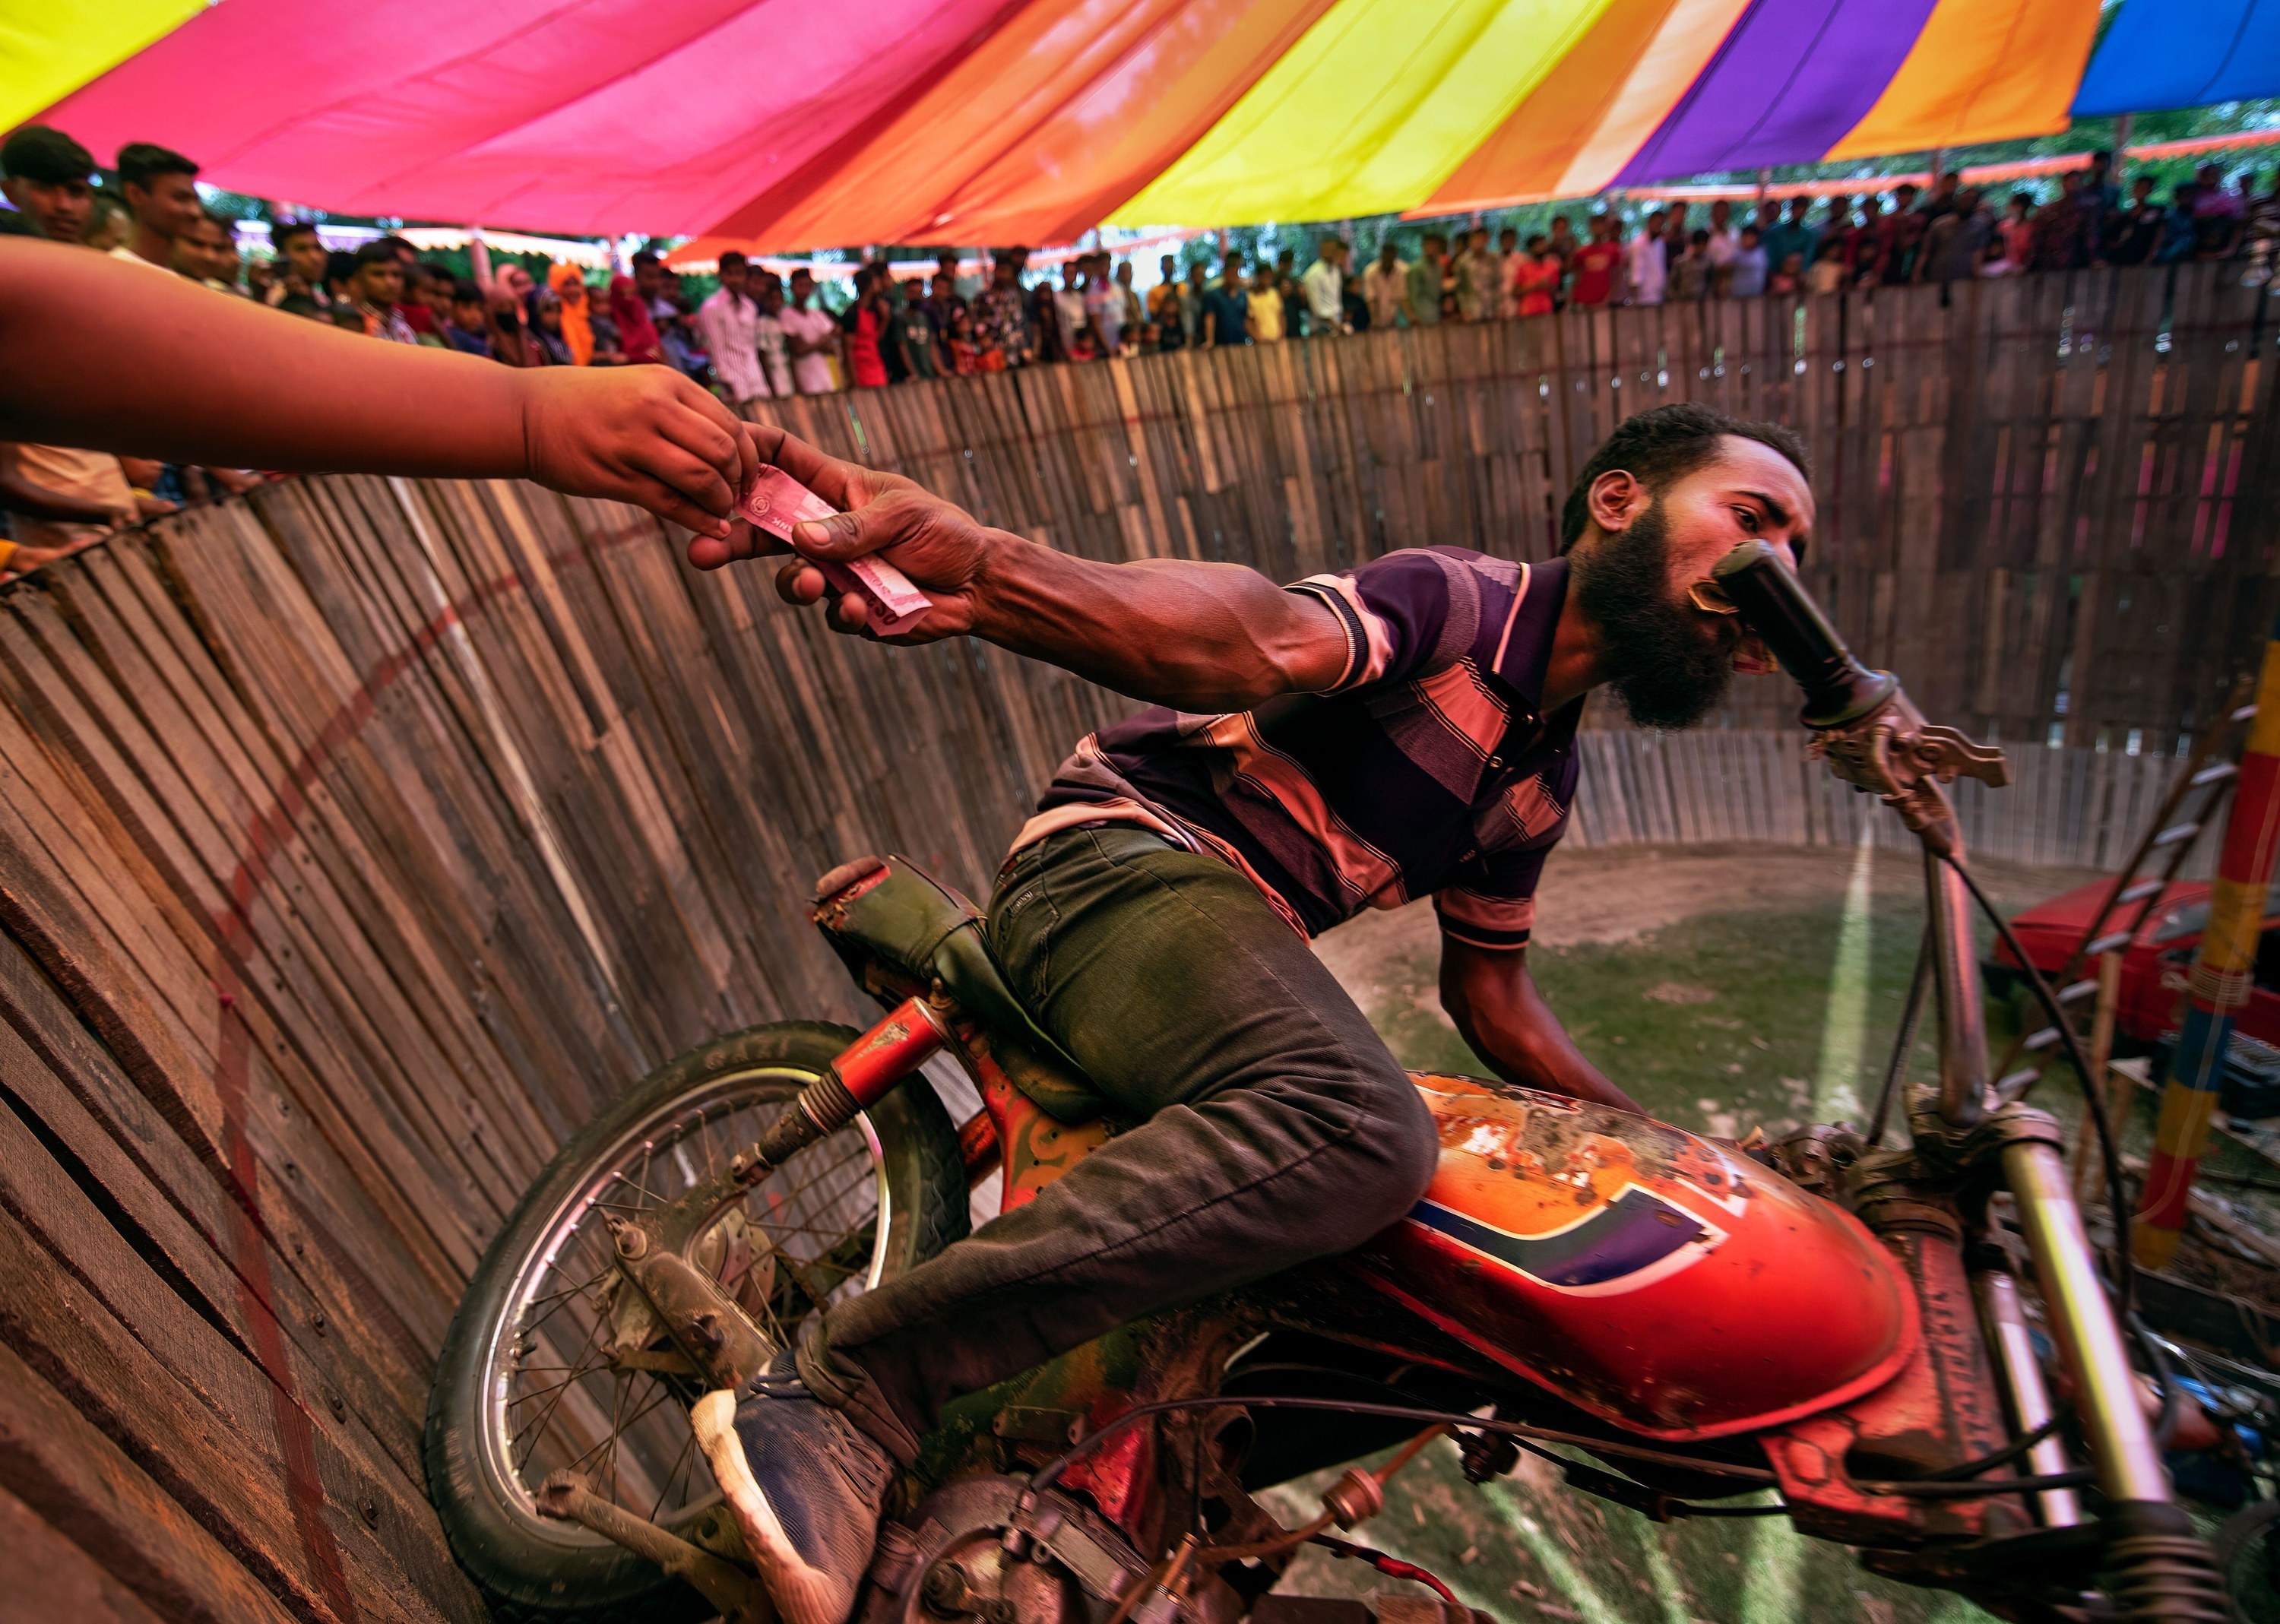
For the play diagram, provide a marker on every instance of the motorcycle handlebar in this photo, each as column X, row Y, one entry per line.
column 1776, row 605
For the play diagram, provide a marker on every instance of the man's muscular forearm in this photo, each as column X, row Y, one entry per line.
column 1195, row 637
column 1496, row 1009
column 1192, row 635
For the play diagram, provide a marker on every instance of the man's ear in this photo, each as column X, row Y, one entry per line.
column 1615, row 498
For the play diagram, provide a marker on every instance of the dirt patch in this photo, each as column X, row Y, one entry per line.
column 1616, row 893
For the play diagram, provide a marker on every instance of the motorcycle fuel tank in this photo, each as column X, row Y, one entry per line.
column 1662, row 1282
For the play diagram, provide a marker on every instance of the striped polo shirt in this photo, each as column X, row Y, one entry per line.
column 1426, row 770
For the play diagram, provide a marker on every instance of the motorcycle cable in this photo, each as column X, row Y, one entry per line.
column 1903, row 1042
column 2124, row 1286
column 1756, row 1477
column 1671, row 1505
column 2003, row 1457
column 2165, row 1377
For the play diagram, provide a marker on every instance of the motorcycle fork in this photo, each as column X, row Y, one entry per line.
column 708, row 1328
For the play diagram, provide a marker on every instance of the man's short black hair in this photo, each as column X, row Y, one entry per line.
column 377, row 253
column 283, row 231
column 465, row 292
column 731, row 256
column 1665, row 444
column 140, row 163
column 645, row 258
column 339, row 265
column 37, row 153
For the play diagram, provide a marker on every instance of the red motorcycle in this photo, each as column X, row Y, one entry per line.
column 1676, row 1321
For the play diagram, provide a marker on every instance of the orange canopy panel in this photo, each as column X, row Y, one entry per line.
column 1064, row 113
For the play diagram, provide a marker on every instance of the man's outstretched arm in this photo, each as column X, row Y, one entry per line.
column 1203, row 637
column 115, row 358
column 1490, row 995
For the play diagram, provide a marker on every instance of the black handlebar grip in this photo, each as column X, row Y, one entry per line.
column 1776, row 605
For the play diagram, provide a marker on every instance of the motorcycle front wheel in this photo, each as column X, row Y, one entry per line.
column 520, row 1389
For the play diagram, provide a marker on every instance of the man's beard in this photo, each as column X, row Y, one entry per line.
column 1669, row 669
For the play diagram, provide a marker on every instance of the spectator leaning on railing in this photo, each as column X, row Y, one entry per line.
column 58, row 498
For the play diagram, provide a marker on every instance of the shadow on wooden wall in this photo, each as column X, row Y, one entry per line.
column 361, row 838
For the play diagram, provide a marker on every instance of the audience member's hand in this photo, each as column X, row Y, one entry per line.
column 940, row 546
column 643, row 434
column 149, row 507
column 25, row 559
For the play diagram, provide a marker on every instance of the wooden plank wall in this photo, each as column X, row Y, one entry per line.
column 360, row 838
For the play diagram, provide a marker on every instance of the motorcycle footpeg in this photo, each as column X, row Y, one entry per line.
column 569, row 1497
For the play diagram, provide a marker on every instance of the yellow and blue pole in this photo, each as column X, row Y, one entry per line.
column 2222, row 975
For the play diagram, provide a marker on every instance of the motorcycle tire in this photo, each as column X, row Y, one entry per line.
column 536, row 1571
column 2248, row 1551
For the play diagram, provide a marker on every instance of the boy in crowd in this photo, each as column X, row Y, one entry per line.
column 1595, row 263
column 465, row 329
column 44, row 173
column 1385, row 285
column 374, row 290
column 1226, row 308
column 298, row 266
column 1420, row 301
column 162, row 195
column 811, row 336
column 1746, row 276
column 1264, row 314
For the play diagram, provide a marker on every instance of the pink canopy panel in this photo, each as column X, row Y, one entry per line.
column 568, row 115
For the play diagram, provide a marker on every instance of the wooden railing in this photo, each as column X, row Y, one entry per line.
column 361, row 837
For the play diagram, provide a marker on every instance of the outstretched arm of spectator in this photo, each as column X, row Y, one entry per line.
column 107, row 356
column 1197, row 637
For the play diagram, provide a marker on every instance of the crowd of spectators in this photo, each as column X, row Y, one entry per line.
column 761, row 336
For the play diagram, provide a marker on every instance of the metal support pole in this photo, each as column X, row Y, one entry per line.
column 2224, row 970
column 2023, row 1379
column 2128, row 1465
column 1955, row 976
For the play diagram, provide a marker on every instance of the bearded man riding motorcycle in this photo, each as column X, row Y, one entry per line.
column 1356, row 740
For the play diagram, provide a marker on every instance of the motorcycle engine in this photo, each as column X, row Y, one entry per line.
column 970, row 1553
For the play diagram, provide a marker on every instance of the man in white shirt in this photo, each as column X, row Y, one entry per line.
column 1068, row 303
column 729, row 321
column 811, row 336
column 1382, row 285
column 162, row 195
column 1325, row 282
column 1647, row 261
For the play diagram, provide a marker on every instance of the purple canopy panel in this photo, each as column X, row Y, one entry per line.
column 1790, row 80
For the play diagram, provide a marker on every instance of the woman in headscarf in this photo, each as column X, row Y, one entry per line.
column 577, row 330
column 550, row 343
column 636, row 333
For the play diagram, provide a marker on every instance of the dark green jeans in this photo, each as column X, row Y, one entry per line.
column 1277, row 1128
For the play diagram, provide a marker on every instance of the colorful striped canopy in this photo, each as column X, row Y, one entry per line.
column 783, row 124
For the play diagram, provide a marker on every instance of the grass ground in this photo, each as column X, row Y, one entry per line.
column 1723, row 988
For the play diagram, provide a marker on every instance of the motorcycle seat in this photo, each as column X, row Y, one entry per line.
column 889, row 910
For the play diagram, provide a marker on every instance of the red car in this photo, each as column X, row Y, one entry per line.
column 2154, row 965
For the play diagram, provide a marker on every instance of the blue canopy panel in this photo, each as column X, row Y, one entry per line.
column 2162, row 54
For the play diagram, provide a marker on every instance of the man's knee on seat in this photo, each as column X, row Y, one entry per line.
column 1399, row 1145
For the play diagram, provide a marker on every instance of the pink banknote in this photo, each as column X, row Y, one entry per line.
column 778, row 501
